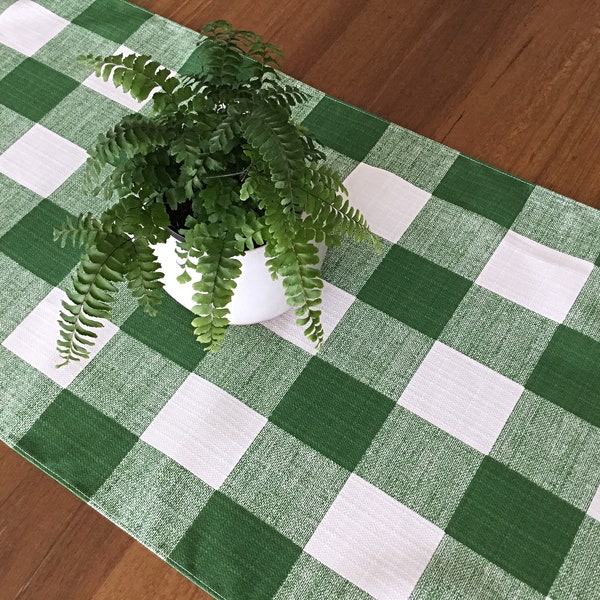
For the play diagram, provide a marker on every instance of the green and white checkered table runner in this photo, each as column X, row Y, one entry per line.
column 444, row 444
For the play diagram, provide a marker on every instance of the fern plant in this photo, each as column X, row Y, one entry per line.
column 219, row 160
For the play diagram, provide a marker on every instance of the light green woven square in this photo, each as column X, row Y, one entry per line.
column 26, row 393
column 73, row 196
column 68, row 9
column 376, row 349
column 453, row 237
column 286, row 483
column 9, row 59
column 343, row 164
column 498, row 333
column 561, row 223
column 15, row 202
column 129, row 382
column 420, row 465
column 20, row 292
column 73, row 119
column 579, row 576
column 152, row 497
column 584, row 315
column 350, row 265
column 311, row 579
column 13, row 126
column 413, row 157
column 155, row 37
column 61, row 51
column 245, row 365
column 553, row 448
column 300, row 112
column 457, row 572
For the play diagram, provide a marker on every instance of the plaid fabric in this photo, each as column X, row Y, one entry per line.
column 444, row 444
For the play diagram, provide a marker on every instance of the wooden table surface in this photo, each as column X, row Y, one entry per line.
column 512, row 82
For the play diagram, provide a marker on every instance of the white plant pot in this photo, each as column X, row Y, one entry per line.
column 256, row 297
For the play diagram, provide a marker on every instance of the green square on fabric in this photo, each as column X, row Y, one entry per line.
column 332, row 412
column 68, row 9
column 584, row 315
column 498, row 333
column 112, row 19
column 26, row 393
column 152, row 497
column 33, row 89
column 135, row 392
column 420, row 465
column 9, row 59
column 233, row 553
column 285, row 483
column 560, row 223
column 13, row 126
column 515, row 524
column 30, row 243
column 20, row 293
column 417, row 159
column 455, row 571
column 170, row 333
column 344, row 128
column 72, row 118
column 77, row 443
column 415, row 291
column 376, row 349
column 310, row 578
column 452, row 237
column 15, row 202
column 245, row 365
column 579, row 576
column 484, row 190
column 350, row 265
column 553, row 448
column 568, row 374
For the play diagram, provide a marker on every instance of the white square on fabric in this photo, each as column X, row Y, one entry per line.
column 388, row 202
column 204, row 429
column 461, row 396
column 34, row 340
column 108, row 89
column 537, row 277
column 41, row 160
column 374, row 541
column 26, row 26
column 335, row 303
column 594, row 508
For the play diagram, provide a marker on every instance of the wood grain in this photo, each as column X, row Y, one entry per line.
column 513, row 83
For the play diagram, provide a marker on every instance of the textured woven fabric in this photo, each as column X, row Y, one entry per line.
column 444, row 444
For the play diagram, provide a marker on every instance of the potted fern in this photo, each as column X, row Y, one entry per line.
column 217, row 171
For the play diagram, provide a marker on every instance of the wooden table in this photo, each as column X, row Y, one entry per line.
column 511, row 83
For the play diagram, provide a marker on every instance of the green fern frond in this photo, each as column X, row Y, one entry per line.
column 269, row 132
column 135, row 75
column 92, row 295
column 144, row 278
column 218, row 269
column 83, row 231
column 137, row 219
column 328, row 209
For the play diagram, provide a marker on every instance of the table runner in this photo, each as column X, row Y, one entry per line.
column 444, row 443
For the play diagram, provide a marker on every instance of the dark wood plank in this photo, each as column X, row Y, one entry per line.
column 511, row 83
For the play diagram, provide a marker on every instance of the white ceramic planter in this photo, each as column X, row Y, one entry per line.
column 256, row 298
